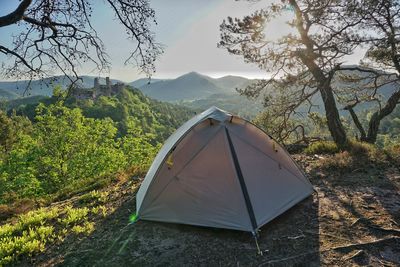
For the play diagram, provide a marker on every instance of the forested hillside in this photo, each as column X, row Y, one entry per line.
column 61, row 142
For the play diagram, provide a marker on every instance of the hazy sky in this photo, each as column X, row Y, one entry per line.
column 189, row 30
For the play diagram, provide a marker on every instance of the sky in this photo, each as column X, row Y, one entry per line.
column 188, row 30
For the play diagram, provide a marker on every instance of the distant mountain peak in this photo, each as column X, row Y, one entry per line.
column 191, row 86
column 193, row 74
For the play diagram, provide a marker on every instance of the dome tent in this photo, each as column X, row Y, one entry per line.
column 219, row 170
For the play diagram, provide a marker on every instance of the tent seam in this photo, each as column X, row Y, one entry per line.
column 299, row 178
column 242, row 183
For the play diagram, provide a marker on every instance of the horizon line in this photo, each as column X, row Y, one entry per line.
column 163, row 77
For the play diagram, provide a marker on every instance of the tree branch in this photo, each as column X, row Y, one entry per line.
column 16, row 15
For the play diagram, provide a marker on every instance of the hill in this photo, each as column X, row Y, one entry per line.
column 45, row 86
column 234, row 103
column 130, row 105
column 231, row 82
column 192, row 90
column 6, row 95
column 199, row 92
column 143, row 81
column 190, row 86
column 21, row 102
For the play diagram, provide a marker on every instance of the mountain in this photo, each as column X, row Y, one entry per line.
column 143, row 81
column 192, row 86
column 234, row 103
column 232, row 82
column 22, row 102
column 45, row 86
column 7, row 95
column 188, row 87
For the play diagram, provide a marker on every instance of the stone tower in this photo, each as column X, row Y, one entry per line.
column 108, row 86
column 96, row 84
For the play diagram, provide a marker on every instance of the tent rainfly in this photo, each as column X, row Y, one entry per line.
column 219, row 170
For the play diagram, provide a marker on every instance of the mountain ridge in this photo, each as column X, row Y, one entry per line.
column 189, row 86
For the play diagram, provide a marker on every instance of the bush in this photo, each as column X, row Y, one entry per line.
column 322, row 147
column 86, row 228
column 393, row 152
column 342, row 160
column 65, row 152
column 367, row 151
column 74, row 216
column 27, row 236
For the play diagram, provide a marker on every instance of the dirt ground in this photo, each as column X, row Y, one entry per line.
column 352, row 220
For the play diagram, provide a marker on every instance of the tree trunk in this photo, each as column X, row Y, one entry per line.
column 376, row 118
column 357, row 122
column 335, row 126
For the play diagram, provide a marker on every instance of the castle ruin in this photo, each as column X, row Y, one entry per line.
column 98, row 90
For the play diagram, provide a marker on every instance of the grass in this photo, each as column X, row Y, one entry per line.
column 86, row 228
column 30, row 233
column 74, row 216
column 322, row 147
column 354, row 155
column 100, row 210
column 94, row 196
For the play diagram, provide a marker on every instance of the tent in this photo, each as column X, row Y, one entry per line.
column 219, row 170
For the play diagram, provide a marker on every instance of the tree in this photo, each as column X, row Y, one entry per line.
column 305, row 60
column 382, row 18
column 59, row 35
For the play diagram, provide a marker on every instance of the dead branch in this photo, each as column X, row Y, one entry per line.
column 364, row 244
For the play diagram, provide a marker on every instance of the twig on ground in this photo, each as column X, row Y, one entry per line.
column 358, row 252
column 356, row 221
column 350, row 246
column 364, row 244
column 289, row 258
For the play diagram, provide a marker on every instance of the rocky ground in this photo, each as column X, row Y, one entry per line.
column 352, row 219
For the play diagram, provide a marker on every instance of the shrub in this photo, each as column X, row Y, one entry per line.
column 342, row 160
column 100, row 210
column 86, row 228
column 393, row 152
column 74, row 216
column 30, row 241
column 322, row 147
column 367, row 151
column 36, row 217
column 6, row 230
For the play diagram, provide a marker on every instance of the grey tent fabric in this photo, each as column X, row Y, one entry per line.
column 219, row 170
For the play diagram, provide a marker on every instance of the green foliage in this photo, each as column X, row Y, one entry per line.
column 393, row 152
column 363, row 149
column 65, row 149
column 94, row 196
column 30, row 242
column 28, row 235
column 74, row 216
column 29, row 220
column 100, row 210
column 322, row 147
column 358, row 155
column 36, row 217
column 72, row 146
column 69, row 147
column 86, row 228
column 33, row 231
column 340, row 161
column 129, row 107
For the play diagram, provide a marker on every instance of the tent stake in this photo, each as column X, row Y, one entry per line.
column 259, row 252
